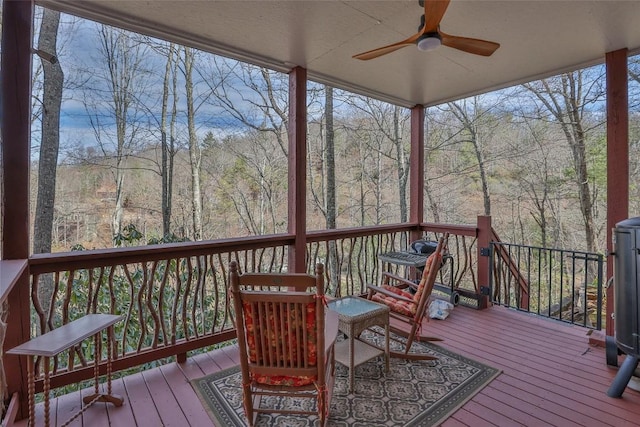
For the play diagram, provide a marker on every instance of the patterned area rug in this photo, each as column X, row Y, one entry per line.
column 412, row 393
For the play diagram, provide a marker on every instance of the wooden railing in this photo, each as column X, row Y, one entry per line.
column 462, row 245
column 174, row 299
column 351, row 256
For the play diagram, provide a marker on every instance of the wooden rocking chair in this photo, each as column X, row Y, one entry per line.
column 407, row 309
column 286, row 339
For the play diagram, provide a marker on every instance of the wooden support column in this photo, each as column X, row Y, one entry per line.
column 298, row 168
column 15, row 113
column 484, row 238
column 416, row 170
column 617, row 157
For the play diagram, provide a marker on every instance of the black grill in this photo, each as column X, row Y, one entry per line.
column 426, row 247
column 626, row 290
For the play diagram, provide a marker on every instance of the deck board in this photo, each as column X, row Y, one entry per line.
column 512, row 413
column 186, row 397
column 551, row 376
column 144, row 410
column 123, row 415
column 66, row 406
column 164, row 398
column 472, row 419
column 94, row 415
column 523, row 403
column 573, row 372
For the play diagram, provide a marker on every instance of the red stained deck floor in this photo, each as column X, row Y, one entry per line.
column 551, row 376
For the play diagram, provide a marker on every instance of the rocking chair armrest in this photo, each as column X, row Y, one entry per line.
column 386, row 276
column 383, row 291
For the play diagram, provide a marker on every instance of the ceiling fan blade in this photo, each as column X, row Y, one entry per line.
column 465, row 44
column 433, row 12
column 387, row 49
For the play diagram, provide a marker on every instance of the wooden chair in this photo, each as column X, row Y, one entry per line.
column 286, row 338
column 408, row 308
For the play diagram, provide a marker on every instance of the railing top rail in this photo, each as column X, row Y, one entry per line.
column 573, row 251
column 342, row 233
column 46, row 263
column 454, row 229
column 457, row 229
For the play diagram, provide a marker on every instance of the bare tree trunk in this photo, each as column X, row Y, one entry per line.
column 431, row 200
column 195, row 156
column 403, row 164
column 330, row 161
column 118, row 209
column 378, row 183
column 49, row 146
column 330, row 164
column 166, row 154
column 537, row 182
column 361, row 182
column 468, row 119
column 172, row 138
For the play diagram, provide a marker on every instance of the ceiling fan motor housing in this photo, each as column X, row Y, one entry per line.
column 429, row 41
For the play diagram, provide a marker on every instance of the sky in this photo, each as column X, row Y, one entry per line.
column 86, row 92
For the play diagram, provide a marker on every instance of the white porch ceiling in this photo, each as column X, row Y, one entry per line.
column 538, row 38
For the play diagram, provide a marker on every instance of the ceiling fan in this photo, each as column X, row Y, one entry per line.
column 430, row 37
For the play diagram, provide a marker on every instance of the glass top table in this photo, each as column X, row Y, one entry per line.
column 355, row 315
column 354, row 306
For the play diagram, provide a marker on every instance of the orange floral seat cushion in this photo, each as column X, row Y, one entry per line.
column 405, row 307
column 399, row 306
column 427, row 269
column 256, row 355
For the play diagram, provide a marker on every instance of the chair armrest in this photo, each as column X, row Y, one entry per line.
column 383, row 291
column 386, row 277
column 330, row 329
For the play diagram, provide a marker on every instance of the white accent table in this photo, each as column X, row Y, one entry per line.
column 355, row 315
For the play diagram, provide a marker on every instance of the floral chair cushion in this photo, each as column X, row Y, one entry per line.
column 252, row 328
column 399, row 306
column 427, row 269
column 405, row 307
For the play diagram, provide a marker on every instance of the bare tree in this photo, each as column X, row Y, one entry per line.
column 472, row 117
column 50, row 132
column 250, row 175
column 116, row 116
column 634, row 72
column 330, row 160
column 330, row 165
column 53, row 79
column 253, row 97
column 538, row 182
column 386, row 126
column 252, row 101
column 168, row 141
column 567, row 99
column 195, row 155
